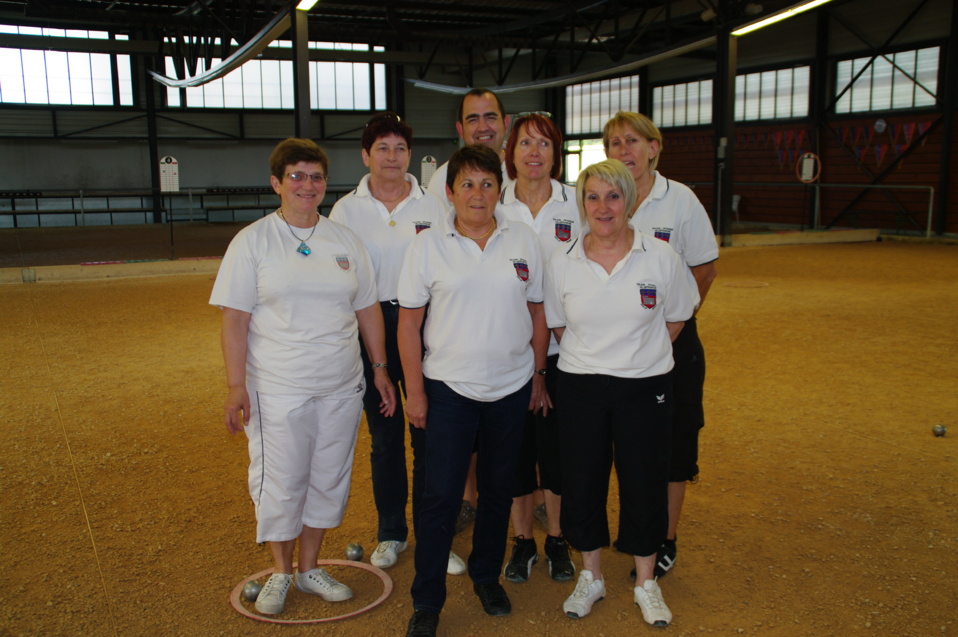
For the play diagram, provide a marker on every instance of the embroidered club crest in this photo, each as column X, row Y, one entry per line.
column 648, row 296
column 342, row 260
column 422, row 225
column 663, row 234
column 563, row 230
column 522, row 269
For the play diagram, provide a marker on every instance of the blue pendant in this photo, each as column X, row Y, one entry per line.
column 303, row 249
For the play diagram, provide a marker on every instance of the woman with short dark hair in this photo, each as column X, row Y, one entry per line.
column 480, row 275
column 387, row 210
column 296, row 289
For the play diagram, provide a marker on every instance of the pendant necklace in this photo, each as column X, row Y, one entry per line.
column 303, row 249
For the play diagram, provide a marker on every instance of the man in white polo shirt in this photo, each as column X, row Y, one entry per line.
column 483, row 121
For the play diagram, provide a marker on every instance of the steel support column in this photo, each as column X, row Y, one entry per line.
column 949, row 102
column 723, row 116
column 299, row 31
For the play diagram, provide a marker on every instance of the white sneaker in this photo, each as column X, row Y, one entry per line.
column 587, row 592
column 649, row 599
column 456, row 566
column 319, row 582
column 387, row 553
column 272, row 598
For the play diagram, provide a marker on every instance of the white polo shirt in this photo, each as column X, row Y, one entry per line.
column 674, row 214
column 557, row 223
column 437, row 183
column 615, row 323
column 303, row 328
column 386, row 236
column 478, row 331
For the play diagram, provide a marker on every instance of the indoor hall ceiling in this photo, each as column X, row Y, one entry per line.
column 457, row 36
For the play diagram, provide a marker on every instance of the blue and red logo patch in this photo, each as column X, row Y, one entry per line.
column 422, row 225
column 648, row 293
column 663, row 233
column 563, row 230
column 342, row 260
column 522, row 269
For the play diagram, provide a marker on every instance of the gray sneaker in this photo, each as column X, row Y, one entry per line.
column 319, row 582
column 272, row 598
column 648, row 597
column 587, row 592
column 387, row 553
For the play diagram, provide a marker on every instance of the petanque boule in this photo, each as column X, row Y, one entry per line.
column 939, row 430
column 251, row 590
column 354, row 552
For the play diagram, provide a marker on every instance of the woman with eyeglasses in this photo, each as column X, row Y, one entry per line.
column 387, row 210
column 295, row 290
column 536, row 198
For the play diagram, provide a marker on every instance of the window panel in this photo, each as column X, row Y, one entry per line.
column 272, row 93
column 344, row 86
column 379, row 80
column 361, row 92
column 783, row 93
column 286, row 84
column 590, row 105
column 766, row 105
column 907, row 79
column 926, row 72
column 252, row 85
column 11, row 77
column 232, row 90
column 58, row 77
column 35, row 77
column 881, row 84
column 801, row 85
column 125, row 78
column 81, row 78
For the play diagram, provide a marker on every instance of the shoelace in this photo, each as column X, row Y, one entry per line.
column 582, row 589
column 655, row 599
column 383, row 547
column 324, row 579
column 276, row 584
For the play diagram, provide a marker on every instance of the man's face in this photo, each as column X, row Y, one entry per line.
column 482, row 123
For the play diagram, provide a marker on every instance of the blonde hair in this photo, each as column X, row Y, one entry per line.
column 641, row 125
column 612, row 172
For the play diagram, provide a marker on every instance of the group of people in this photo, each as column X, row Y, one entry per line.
column 537, row 333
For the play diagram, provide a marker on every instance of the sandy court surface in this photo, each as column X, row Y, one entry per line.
column 825, row 504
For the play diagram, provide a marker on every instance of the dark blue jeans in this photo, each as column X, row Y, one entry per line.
column 453, row 425
column 387, row 456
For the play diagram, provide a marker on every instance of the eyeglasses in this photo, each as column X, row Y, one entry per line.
column 527, row 113
column 318, row 178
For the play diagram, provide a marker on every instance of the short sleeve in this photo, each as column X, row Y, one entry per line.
column 235, row 285
column 552, row 286
column 413, row 291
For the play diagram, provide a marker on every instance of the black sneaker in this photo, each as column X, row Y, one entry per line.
column 524, row 555
column 422, row 624
column 467, row 515
column 664, row 559
column 494, row 599
column 561, row 567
